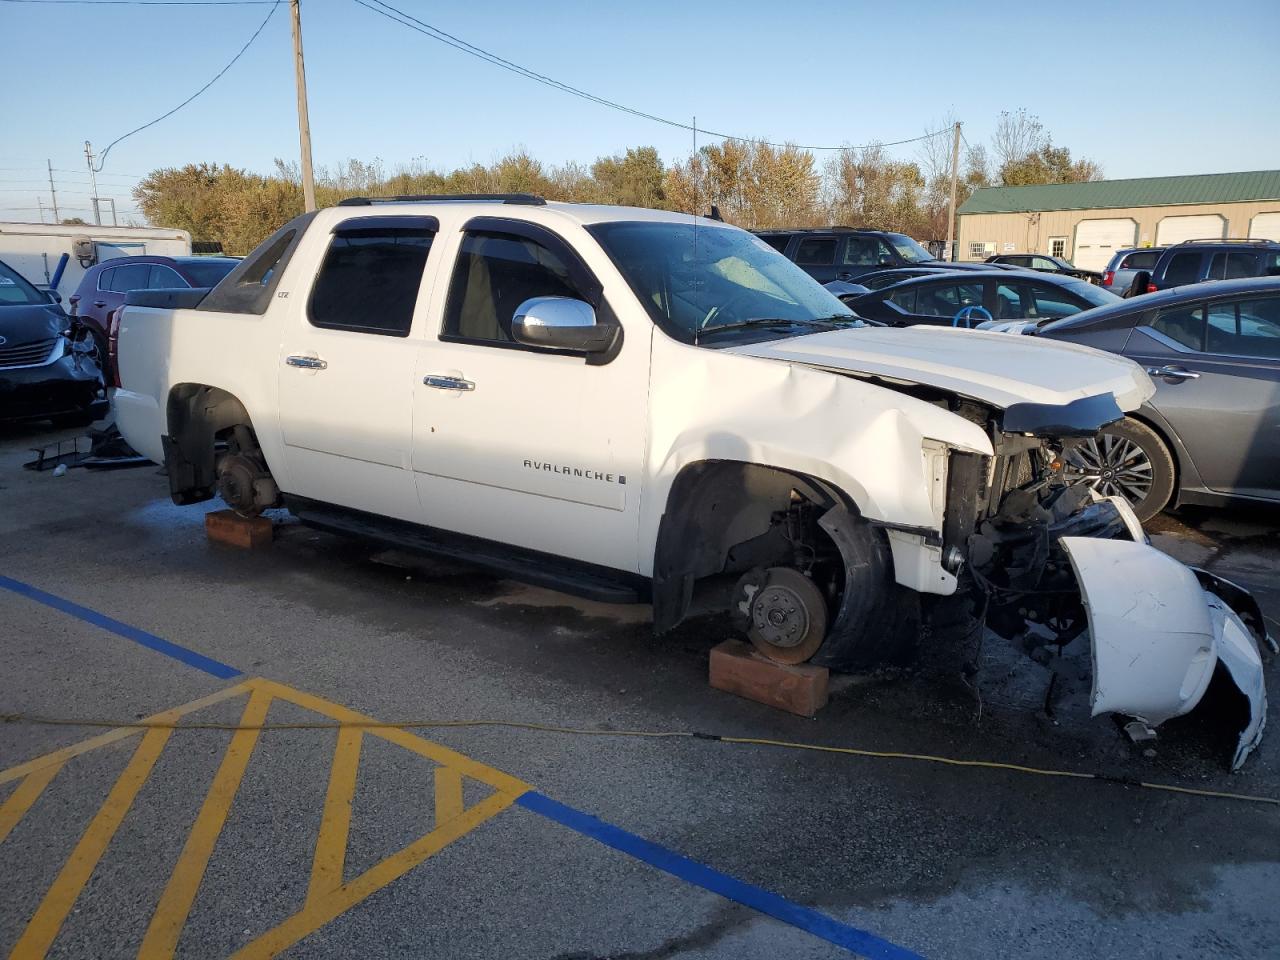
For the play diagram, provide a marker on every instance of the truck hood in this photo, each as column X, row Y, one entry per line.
column 992, row 367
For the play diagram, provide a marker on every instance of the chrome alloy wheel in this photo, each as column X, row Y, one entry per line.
column 1113, row 466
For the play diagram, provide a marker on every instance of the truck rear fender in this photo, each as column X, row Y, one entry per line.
column 196, row 414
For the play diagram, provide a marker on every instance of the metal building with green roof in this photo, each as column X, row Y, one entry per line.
column 1087, row 222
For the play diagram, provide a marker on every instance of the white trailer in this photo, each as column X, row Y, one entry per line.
column 34, row 249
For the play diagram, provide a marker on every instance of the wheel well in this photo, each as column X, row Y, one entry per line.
column 725, row 516
column 197, row 414
column 1175, row 449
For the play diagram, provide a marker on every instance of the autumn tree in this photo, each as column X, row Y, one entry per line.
column 1026, row 154
column 867, row 189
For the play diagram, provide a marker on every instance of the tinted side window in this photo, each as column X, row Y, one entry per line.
column 1241, row 264
column 866, row 252
column 105, row 277
column 163, row 277
column 816, row 251
column 1143, row 260
column 1010, row 304
column 905, row 299
column 778, row 241
column 1182, row 268
column 946, row 300
column 131, row 277
column 495, row 273
column 883, row 280
column 1184, row 325
column 369, row 280
column 1053, row 302
column 1247, row 328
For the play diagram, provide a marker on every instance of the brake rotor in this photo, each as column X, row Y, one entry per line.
column 788, row 616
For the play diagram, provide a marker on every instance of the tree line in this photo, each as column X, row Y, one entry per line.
column 753, row 184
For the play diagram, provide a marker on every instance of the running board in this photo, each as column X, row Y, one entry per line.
column 589, row 581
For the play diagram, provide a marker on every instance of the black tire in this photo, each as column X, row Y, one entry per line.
column 875, row 621
column 1130, row 459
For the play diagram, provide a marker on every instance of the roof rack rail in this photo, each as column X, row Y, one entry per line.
column 528, row 199
column 1228, row 240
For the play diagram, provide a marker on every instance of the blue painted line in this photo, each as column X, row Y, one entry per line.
column 149, row 640
column 770, row 904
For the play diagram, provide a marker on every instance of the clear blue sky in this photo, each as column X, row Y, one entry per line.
column 1146, row 90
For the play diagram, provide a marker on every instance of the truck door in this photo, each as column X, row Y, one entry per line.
column 523, row 446
column 348, row 351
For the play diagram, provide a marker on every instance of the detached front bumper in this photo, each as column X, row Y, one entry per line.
column 1160, row 632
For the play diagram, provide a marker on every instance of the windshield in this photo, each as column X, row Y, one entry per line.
column 908, row 249
column 207, row 273
column 695, row 282
column 14, row 290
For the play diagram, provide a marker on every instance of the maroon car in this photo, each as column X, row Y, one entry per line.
column 102, row 289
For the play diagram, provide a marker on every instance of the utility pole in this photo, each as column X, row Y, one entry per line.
column 955, row 176
column 93, row 182
column 304, row 123
column 53, row 192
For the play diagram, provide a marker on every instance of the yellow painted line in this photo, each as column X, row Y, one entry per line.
column 324, row 909
column 327, row 895
column 331, row 842
column 424, row 748
column 20, row 801
column 448, row 795
column 59, row 757
column 179, row 894
column 57, row 903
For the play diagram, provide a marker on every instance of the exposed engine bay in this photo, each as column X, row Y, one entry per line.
column 1048, row 562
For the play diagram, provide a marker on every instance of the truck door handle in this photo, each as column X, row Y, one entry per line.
column 447, row 383
column 307, row 363
column 1172, row 373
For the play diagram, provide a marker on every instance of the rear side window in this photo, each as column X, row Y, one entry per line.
column 1233, row 265
column 1142, row 260
column 1182, row 268
column 1184, row 325
column 495, row 273
column 778, row 241
column 369, row 280
column 135, row 276
column 817, row 251
column 1245, row 328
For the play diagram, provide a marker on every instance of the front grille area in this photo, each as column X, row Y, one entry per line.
column 27, row 354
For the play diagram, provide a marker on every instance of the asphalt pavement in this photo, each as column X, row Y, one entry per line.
column 497, row 841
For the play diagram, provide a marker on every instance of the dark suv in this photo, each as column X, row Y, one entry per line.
column 839, row 253
column 1195, row 260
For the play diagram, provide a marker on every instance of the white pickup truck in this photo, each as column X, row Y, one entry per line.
column 621, row 402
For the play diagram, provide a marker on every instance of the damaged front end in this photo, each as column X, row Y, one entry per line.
column 1050, row 561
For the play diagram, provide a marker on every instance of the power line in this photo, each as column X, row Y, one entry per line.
column 102, row 157
column 457, row 43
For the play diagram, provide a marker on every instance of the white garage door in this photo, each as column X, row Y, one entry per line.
column 1097, row 240
column 1265, row 226
column 1206, row 226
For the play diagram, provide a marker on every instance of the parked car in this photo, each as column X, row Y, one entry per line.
column 966, row 299
column 1211, row 432
column 1044, row 263
column 839, row 253
column 1125, row 267
column 624, row 402
column 103, row 287
column 48, row 363
column 1194, row 261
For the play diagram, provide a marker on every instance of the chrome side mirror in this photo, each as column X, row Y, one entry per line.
column 560, row 323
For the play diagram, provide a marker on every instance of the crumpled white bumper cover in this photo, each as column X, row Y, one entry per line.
column 1158, row 634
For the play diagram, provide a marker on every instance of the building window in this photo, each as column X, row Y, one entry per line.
column 978, row 250
column 1058, row 246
